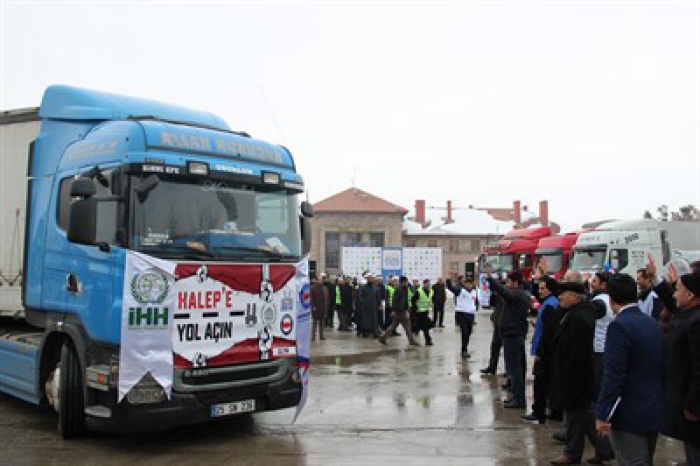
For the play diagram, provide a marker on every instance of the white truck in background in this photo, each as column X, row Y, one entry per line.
column 623, row 245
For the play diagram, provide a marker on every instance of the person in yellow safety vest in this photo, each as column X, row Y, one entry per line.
column 412, row 288
column 422, row 302
column 389, row 306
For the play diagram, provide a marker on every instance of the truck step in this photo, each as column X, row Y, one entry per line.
column 98, row 411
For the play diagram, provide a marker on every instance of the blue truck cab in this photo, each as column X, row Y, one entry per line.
column 108, row 174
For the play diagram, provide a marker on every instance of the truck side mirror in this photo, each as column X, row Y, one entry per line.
column 307, row 209
column 305, row 225
column 82, row 223
column 82, row 187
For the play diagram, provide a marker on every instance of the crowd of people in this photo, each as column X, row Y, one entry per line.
column 616, row 357
column 374, row 309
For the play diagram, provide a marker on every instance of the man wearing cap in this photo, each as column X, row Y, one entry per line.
column 572, row 367
column 683, row 376
column 513, row 328
column 631, row 401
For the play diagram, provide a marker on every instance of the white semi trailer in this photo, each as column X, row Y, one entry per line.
column 623, row 245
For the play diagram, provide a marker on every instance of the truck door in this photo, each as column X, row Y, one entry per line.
column 88, row 273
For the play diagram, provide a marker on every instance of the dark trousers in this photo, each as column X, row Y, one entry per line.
column 496, row 344
column 424, row 324
column 539, row 388
column 580, row 424
column 514, row 354
column 387, row 318
column 329, row 315
column 692, row 454
column 465, row 321
column 399, row 317
column 439, row 313
column 635, row 449
column 345, row 316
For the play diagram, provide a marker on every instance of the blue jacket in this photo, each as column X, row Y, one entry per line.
column 634, row 373
column 548, row 305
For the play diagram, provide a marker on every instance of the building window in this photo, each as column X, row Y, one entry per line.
column 476, row 245
column 454, row 267
column 453, row 246
column 376, row 240
column 332, row 250
column 432, row 243
column 411, row 243
column 353, row 240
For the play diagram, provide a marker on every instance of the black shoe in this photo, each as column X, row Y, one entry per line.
column 559, row 437
column 488, row 371
column 512, row 404
column 532, row 418
column 382, row 341
column 466, row 355
column 429, row 343
column 396, row 334
column 556, row 417
column 441, row 326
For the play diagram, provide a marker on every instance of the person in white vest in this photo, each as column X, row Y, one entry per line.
column 465, row 307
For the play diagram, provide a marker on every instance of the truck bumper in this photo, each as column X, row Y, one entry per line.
column 192, row 408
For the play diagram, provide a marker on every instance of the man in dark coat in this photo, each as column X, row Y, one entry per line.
column 513, row 328
column 319, row 305
column 399, row 311
column 439, row 298
column 683, row 376
column 572, row 368
column 368, row 304
column 330, row 286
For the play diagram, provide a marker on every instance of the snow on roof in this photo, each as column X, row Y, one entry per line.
column 465, row 222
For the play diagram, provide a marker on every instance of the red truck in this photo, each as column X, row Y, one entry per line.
column 556, row 250
column 516, row 250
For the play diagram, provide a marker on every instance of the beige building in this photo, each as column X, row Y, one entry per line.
column 352, row 218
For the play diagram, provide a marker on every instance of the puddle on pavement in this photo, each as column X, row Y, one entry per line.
column 346, row 360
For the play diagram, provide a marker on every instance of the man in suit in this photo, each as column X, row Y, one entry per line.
column 631, row 403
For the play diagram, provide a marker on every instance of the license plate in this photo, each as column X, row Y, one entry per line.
column 237, row 407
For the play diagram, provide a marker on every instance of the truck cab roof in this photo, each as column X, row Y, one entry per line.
column 62, row 102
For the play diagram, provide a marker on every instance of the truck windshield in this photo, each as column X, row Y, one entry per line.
column 555, row 261
column 499, row 262
column 202, row 219
column 588, row 259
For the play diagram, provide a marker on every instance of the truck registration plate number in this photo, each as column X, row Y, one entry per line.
column 237, row 407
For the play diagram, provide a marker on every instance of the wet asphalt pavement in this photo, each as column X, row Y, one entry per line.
column 368, row 404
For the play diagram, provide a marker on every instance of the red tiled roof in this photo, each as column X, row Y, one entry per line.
column 357, row 200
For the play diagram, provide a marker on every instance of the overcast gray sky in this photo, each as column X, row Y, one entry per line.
column 592, row 105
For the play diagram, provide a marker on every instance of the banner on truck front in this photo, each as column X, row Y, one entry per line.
column 190, row 315
column 147, row 309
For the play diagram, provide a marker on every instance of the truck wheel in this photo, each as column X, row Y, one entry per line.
column 71, row 412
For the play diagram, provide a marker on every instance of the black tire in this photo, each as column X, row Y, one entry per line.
column 71, row 413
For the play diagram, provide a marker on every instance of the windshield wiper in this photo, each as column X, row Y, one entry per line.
column 267, row 252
